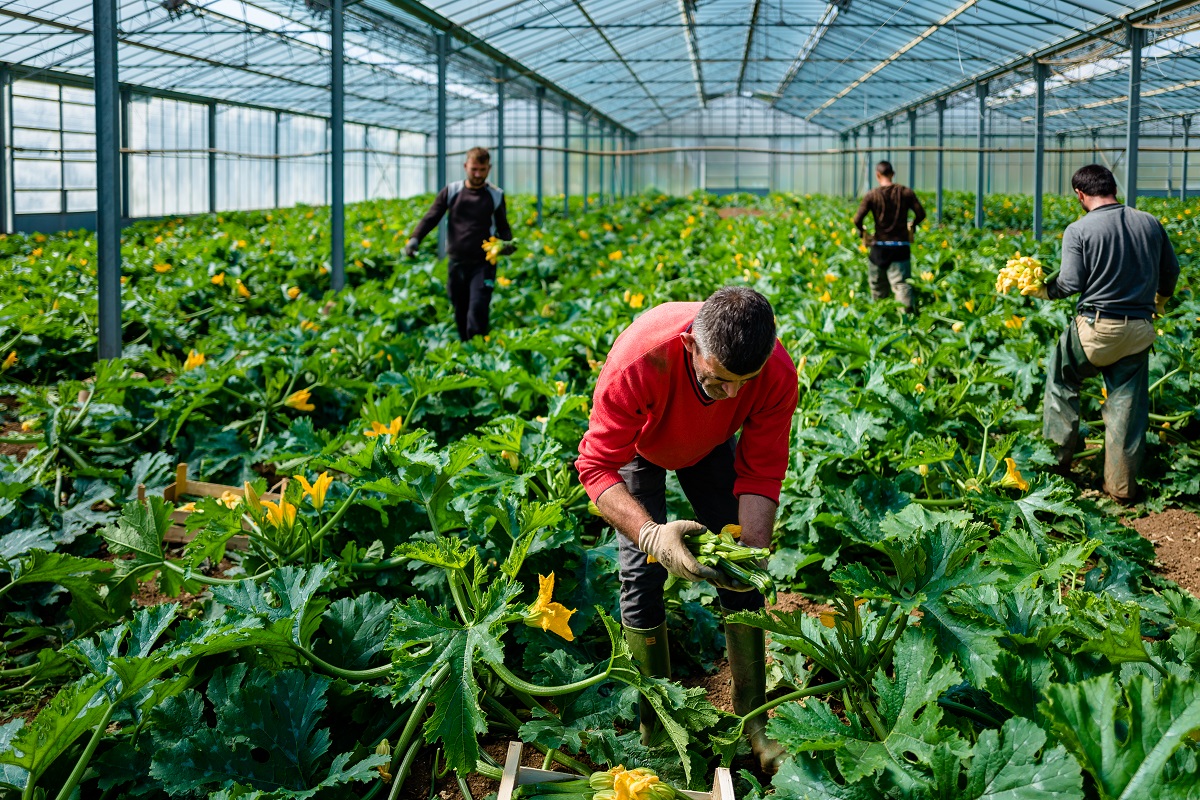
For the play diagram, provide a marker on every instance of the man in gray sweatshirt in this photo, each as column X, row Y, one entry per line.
column 1120, row 263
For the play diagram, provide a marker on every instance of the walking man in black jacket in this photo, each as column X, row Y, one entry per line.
column 890, row 264
column 477, row 213
column 1120, row 263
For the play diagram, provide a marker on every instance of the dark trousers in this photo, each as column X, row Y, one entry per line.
column 1125, row 411
column 471, row 286
column 708, row 486
column 888, row 273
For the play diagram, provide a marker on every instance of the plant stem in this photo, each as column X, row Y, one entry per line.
column 316, row 537
column 206, row 579
column 547, row 691
column 17, row 672
column 950, row 502
column 508, row 716
column 81, row 765
column 401, row 775
column 347, row 674
column 800, row 694
column 548, row 761
column 967, row 711
column 486, row 770
column 1163, row 379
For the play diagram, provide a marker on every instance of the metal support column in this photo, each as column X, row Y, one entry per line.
column 501, row 76
column 212, row 156
column 586, row 159
column 888, row 127
column 443, row 55
column 337, row 122
column 541, row 96
column 1039, row 144
column 5, row 194
column 600, row 171
column 278, row 117
column 870, row 155
column 1135, row 36
column 981, row 92
column 842, row 164
column 566, row 178
column 912, row 144
column 941, row 159
column 108, row 177
column 125, row 96
column 1061, row 138
column 1187, row 133
column 612, row 171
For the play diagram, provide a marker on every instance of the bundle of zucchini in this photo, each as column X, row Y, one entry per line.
column 722, row 550
column 617, row 783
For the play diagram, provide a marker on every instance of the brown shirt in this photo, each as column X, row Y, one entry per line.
column 889, row 206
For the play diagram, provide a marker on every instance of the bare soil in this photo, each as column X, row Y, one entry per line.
column 18, row 451
column 726, row 213
column 1176, row 537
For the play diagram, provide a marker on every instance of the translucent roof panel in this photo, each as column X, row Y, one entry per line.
column 836, row 64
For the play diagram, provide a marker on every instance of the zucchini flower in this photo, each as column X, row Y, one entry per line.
column 631, row 784
column 299, row 400
column 1012, row 477
column 491, row 250
column 194, row 359
column 379, row 429
column 9, row 362
column 282, row 516
column 316, row 490
column 547, row 615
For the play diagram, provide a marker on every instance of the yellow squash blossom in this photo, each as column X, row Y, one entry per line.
column 733, row 530
column 615, row 255
column 379, row 429
column 560, row 388
column 547, row 249
column 634, row 300
column 957, row 327
column 161, row 268
column 1014, row 322
column 317, row 489
column 919, row 388
column 969, row 305
column 299, row 400
column 282, row 516
column 826, row 297
column 548, row 615
column 491, row 250
column 194, row 359
column 927, row 276
column 294, row 292
column 830, row 277
column 366, row 243
column 9, row 362
column 218, row 279
column 230, row 499
column 1012, row 477
column 308, row 325
column 241, row 289
column 252, row 501
column 503, row 282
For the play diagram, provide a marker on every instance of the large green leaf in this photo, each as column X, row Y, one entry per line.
column 282, row 600
column 1107, row 626
column 356, row 629
column 1024, row 563
column 267, row 737
column 35, row 747
column 1125, row 740
column 425, row 640
column 82, row 577
column 1015, row 764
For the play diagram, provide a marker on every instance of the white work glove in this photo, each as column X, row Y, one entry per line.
column 1040, row 293
column 664, row 543
column 410, row 249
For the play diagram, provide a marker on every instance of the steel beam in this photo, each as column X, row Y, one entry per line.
column 123, row 98
column 1062, row 167
column 870, row 155
column 912, row 153
column 278, row 117
column 540, row 93
column 443, row 56
column 1039, row 144
column 337, row 124
column 1187, row 132
column 600, row 170
column 212, row 156
column 1136, row 36
column 749, row 43
column 586, row 159
column 566, row 178
column 687, row 13
column 981, row 93
column 887, row 124
column 5, row 119
column 612, row 173
column 941, row 159
column 501, row 77
column 842, row 164
column 108, row 177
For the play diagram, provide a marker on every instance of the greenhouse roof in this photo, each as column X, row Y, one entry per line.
column 638, row 63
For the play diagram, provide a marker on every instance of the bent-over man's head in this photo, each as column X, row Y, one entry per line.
column 477, row 166
column 730, row 340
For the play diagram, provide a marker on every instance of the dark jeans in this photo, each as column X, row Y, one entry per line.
column 708, row 486
column 888, row 273
column 471, row 286
column 1125, row 411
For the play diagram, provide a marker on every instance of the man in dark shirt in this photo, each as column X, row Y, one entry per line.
column 889, row 258
column 477, row 213
column 1120, row 262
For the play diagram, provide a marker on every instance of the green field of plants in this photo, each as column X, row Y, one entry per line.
column 431, row 582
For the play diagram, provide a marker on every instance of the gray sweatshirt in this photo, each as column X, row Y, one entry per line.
column 1116, row 258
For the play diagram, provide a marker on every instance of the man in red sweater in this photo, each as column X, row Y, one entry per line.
column 678, row 385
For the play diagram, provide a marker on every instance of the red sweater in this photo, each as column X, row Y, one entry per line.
column 648, row 402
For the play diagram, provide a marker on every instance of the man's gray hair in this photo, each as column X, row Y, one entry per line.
column 736, row 326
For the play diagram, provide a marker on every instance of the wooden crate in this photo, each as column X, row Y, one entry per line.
column 183, row 488
column 516, row 775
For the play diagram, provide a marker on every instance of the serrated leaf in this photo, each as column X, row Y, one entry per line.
column 1124, row 741
column 284, row 597
column 1048, row 494
column 75, row 710
column 1025, row 564
column 357, row 628
column 1108, row 627
column 1015, row 764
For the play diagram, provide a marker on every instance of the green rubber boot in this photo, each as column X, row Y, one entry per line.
column 649, row 648
column 747, row 650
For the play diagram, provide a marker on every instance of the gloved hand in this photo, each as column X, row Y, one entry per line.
column 508, row 249
column 1160, row 304
column 410, row 249
column 1040, row 293
column 664, row 543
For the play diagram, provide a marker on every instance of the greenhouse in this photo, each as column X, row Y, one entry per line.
column 581, row 400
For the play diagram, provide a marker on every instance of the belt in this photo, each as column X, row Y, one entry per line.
column 891, row 244
column 1096, row 314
